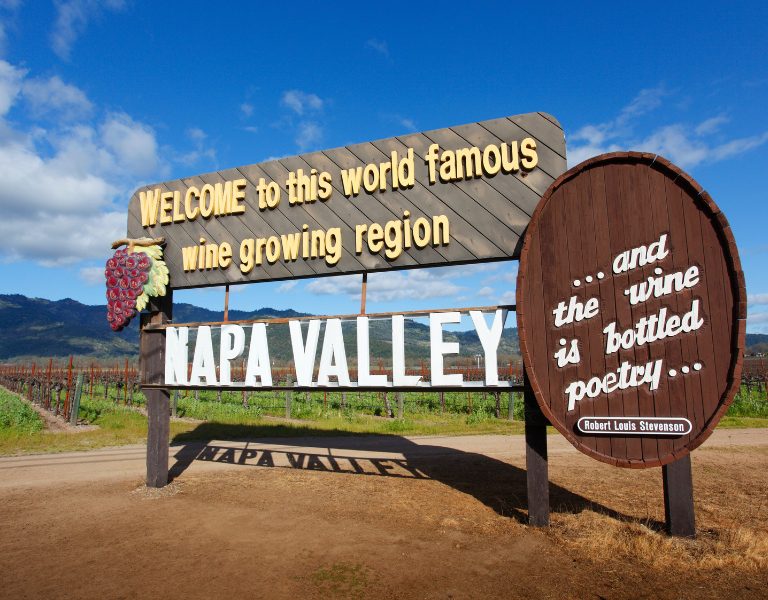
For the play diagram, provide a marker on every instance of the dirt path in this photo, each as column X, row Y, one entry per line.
column 376, row 517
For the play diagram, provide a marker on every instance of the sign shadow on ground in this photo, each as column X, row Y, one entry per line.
column 499, row 485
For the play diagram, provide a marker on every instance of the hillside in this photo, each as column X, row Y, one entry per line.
column 39, row 327
column 42, row 328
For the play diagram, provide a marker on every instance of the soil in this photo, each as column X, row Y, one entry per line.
column 377, row 517
column 55, row 423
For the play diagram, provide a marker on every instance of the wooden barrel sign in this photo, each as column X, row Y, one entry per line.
column 631, row 309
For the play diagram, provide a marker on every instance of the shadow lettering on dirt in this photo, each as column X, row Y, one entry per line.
column 272, row 457
column 497, row 484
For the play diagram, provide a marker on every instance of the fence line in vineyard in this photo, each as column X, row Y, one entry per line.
column 60, row 386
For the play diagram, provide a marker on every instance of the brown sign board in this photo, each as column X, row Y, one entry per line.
column 631, row 310
column 450, row 196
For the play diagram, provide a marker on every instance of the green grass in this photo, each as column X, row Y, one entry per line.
column 16, row 416
column 318, row 413
column 749, row 402
column 116, row 426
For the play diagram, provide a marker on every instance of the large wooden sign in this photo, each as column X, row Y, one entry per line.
column 457, row 195
column 631, row 310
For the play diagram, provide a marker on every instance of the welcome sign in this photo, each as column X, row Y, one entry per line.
column 456, row 195
column 323, row 360
column 631, row 309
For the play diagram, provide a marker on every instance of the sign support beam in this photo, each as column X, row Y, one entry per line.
column 678, row 498
column 536, row 465
column 152, row 365
column 363, row 293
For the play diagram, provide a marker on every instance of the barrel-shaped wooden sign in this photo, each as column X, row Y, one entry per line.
column 631, row 309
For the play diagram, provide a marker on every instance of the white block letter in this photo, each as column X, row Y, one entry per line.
column 232, row 345
column 176, row 355
column 304, row 355
column 364, row 377
column 258, row 357
column 438, row 348
column 490, row 339
column 398, row 354
column 333, row 360
column 203, row 365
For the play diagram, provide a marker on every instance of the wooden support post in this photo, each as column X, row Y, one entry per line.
column 511, row 407
column 288, row 399
column 387, row 406
column 678, row 498
column 152, row 367
column 537, row 468
column 76, row 400
column 363, row 293
column 400, row 407
column 69, row 388
column 125, row 384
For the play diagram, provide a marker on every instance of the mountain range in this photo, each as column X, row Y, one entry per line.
column 35, row 327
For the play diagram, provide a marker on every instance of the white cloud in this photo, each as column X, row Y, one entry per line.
column 200, row 151
column 405, row 122
column 711, row 125
column 647, row 100
column 379, row 46
column 687, row 150
column 92, row 275
column 10, row 85
column 63, row 188
column 308, row 135
column 684, row 144
column 302, row 102
column 196, row 134
column 30, row 184
column 246, row 109
column 56, row 239
column 508, row 298
column 133, row 144
column 756, row 318
column 418, row 284
column 72, row 17
column 409, row 124
column 485, row 292
column 54, row 97
column 508, row 275
column 308, row 129
column 10, row 7
column 287, row 286
column 757, row 299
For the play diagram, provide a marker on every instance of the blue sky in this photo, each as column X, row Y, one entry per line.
column 97, row 98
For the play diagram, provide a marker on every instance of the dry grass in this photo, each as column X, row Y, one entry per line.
column 147, row 493
column 604, row 539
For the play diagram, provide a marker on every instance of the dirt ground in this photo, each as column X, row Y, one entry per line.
column 377, row 517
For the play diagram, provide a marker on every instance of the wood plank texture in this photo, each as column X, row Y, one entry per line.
column 679, row 513
column 152, row 367
column 536, row 461
column 589, row 216
column 487, row 214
